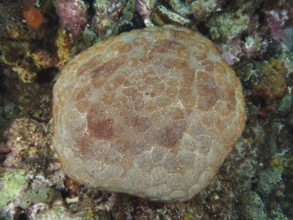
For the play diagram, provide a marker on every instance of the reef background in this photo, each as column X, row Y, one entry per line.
column 38, row 37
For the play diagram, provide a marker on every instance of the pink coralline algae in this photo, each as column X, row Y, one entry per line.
column 72, row 14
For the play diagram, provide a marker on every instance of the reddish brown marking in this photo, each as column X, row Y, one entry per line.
column 171, row 135
column 230, row 98
column 208, row 95
column 99, row 124
column 143, row 124
column 168, row 48
column 102, row 129
column 121, row 146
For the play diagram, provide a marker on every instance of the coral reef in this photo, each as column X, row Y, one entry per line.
column 255, row 37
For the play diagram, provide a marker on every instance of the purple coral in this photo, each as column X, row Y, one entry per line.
column 144, row 9
column 231, row 51
column 275, row 21
column 72, row 14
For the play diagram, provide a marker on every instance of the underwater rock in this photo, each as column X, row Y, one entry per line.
column 152, row 113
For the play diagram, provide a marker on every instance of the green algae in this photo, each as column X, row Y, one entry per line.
column 253, row 207
column 268, row 182
column 43, row 195
column 228, row 25
column 12, row 183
